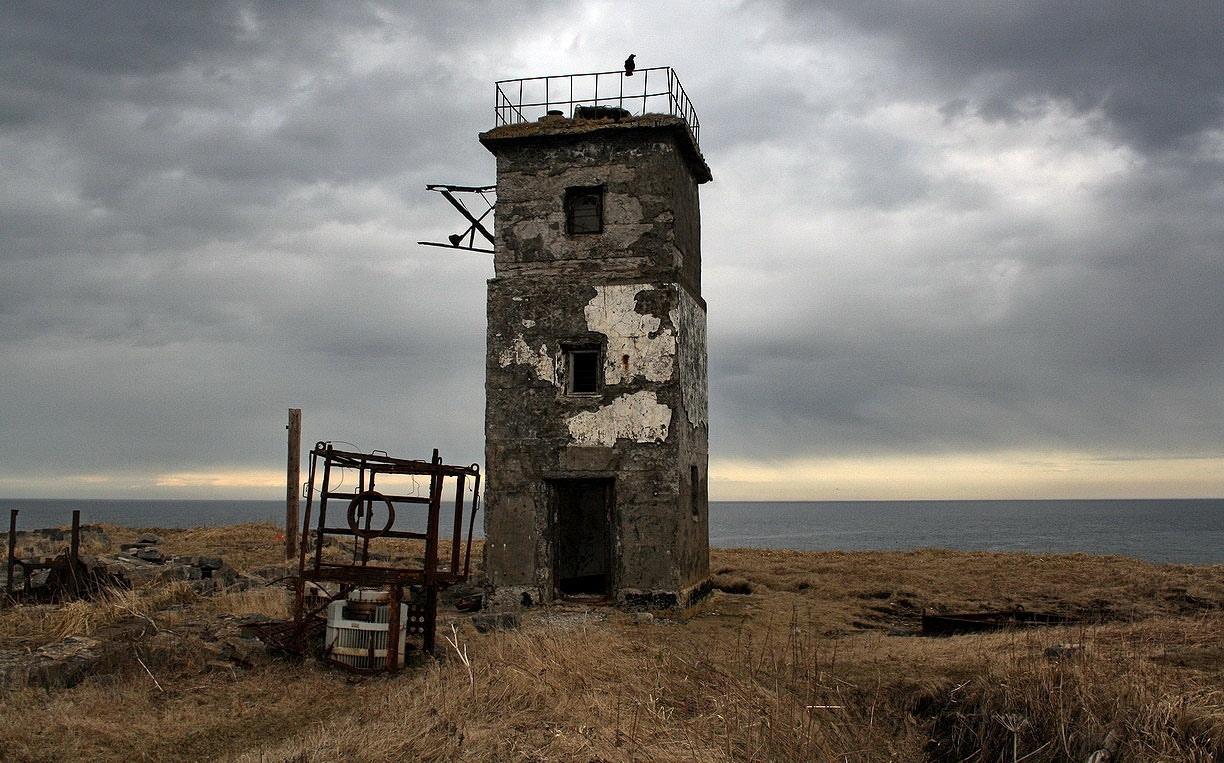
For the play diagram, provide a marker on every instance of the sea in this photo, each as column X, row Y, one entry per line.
column 1181, row 531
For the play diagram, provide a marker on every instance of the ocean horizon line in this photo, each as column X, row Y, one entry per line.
column 712, row 500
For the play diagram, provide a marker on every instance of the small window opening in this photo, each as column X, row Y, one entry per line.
column 582, row 371
column 584, row 210
column 695, row 492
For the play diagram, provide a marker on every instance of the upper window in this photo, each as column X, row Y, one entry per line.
column 584, row 210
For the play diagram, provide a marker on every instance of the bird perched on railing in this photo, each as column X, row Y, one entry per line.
column 629, row 65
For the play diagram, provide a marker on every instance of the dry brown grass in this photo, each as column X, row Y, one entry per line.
column 801, row 668
column 27, row 627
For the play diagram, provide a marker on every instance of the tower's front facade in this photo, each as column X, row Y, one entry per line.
column 595, row 424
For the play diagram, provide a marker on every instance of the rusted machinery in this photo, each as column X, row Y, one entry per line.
column 388, row 580
column 67, row 575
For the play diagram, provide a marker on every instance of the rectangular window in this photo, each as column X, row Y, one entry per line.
column 584, row 210
column 582, row 371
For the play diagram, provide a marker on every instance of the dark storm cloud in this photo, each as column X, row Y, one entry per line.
column 996, row 227
column 1151, row 69
column 934, row 227
column 209, row 212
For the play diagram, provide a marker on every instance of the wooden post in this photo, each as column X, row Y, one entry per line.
column 74, row 550
column 12, row 551
column 293, row 479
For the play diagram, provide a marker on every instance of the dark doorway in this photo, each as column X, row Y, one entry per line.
column 583, row 523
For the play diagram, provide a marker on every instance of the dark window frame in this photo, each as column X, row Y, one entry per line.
column 584, row 210
column 589, row 353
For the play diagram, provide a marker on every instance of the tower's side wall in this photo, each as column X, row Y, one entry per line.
column 637, row 430
column 692, row 442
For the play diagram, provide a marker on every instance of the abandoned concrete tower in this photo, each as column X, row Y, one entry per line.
column 595, row 420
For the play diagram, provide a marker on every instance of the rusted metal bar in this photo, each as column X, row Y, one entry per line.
column 435, row 509
column 407, row 534
column 393, row 628
column 431, row 619
column 368, row 508
column 322, row 510
column 467, row 559
column 457, row 534
column 393, row 498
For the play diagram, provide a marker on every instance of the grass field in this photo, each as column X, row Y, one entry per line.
column 795, row 656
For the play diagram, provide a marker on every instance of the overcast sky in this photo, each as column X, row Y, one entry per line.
column 952, row 249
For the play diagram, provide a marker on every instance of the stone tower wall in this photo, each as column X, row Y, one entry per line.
column 633, row 291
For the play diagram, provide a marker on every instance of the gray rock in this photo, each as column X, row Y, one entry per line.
column 247, row 652
column 63, row 664
column 151, row 555
column 226, row 576
column 642, row 618
column 210, row 562
column 496, row 621
column 149, row 538
column 140, row 574
column 204, row 586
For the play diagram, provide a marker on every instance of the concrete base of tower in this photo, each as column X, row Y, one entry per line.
column 635, row 600
column 513, row 598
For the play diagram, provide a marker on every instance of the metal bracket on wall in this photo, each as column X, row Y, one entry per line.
column 467, row 240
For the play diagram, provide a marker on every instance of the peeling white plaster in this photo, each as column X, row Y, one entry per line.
column 639, row 417
column 611, row 313
column 540, row 361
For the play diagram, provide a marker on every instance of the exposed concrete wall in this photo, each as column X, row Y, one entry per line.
column 633, row 293
column 651, row 215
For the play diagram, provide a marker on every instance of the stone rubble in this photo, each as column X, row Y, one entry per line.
column 55, row 665
column 68, row 662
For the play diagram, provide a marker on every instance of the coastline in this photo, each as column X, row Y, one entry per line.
column 1158, row 530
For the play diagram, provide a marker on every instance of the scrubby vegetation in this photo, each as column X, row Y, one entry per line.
column 795, row 656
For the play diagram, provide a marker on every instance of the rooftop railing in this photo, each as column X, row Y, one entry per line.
column 648, row 91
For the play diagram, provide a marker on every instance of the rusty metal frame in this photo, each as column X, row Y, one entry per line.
column 424, row 580
column 73, row 578
column 520, row 100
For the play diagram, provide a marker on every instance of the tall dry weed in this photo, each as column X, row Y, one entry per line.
column 36, row 625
